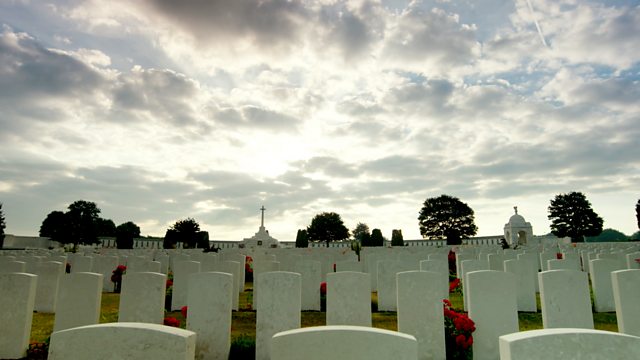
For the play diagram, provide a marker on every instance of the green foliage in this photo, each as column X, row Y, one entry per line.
column 635, row 236
column 446, row 217
column 396, row 238
column 361, row 234
column 243, row 347
column 171, row 238
column 106, row 227
column 327, row 226
column 376, row 238
column 125, row 233
column 571, row 215
column 608, row 235
column 187, row 232
column 54, row 226
column 3, row 226
column 302, row 239
column 638, row 213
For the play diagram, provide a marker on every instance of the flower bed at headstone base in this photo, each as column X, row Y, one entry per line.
column 458, row 329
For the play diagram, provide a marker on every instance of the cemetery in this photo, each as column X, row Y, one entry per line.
column 188, row 304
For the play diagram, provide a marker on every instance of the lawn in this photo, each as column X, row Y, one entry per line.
column 244, row 321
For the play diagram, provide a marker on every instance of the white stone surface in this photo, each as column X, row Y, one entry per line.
column 181, row 272
column 467, row 266
column 600, row 273
column 123, row 341
column 78, row 302
column 441, row 267
column 278, row 308
column 142, row 297
column 105, row 265
column 496, row 262
column 260, row 267
column 565, row 299
column 526, row 290
column 349, row 265
column 210, row 263
column 343, row 343
column 420, row 311
column 240, row 258
column 534, row 262
column 494, row 309
column 311, row 279
column 12, row 266
column 387, row 293
column 233, row 268
column 17, row 299
column 348, row 298
column 544, row 256
column 631, row 260
column 567, row 343
column 82, row 264
column 626, row 294
column 209, row 315
column 49, row 274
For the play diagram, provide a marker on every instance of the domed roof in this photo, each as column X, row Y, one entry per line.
column 517, row 219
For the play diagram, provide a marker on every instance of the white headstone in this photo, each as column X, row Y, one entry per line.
column 105, row 265
column 534, row 262
column 209, row 315
column 493, row 307
column 340, row 342
column 233, row 268
column 142, row 297
column 278, row 308
column 78, row 302
column 82, row 264
column 565, row 299
column 17, row 299
column 526, row 290
column 387, row 292
column 349, row 265
column 12, row 266
column 49, row 274
column 600, row 272
column 348, row 298
column 557, row 344
column 420, row 311
column 259, row 267
column 632, row 260
column 467, row 266
column 626, row 292
column 123, row 341
column 181, row 272
column 311, row 279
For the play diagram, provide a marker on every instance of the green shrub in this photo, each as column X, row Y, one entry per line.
column 243, row 347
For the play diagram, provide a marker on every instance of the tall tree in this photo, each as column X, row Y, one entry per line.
column 638, row 213
column 571, row 215
column 83, row 217
column 55, row 227
column 125, row 233
column 3, row 226
column 608, row 235
column 327, row 226
column 446, row 217
column 396, row 238
column 361, row 234
column 105, row 227
column 187, row 231
column 376, row 238
column 302, row 240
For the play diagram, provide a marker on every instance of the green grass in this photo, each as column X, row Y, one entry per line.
column 244, row 321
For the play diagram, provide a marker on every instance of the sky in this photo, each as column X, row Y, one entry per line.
column 159, row 110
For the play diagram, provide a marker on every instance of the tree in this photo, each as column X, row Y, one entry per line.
column 638, row 213
column 55, row 227
column 396, row 238
column 571, row 215
column 446, row 217
column 608, row 235
column 376, row 238
column 187, row 232
column 327, row 226
column 105, row 227
column 361, row 234
column 171, row 238
column 125, row 233
column 83, row 217
column 3, row 225
column 302, row 240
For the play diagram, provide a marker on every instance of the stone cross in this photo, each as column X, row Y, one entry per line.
column 262, row 220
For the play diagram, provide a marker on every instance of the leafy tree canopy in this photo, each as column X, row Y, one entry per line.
column 125, row 233
column 54, row 226
column 361, row 233
column 446, row 217
column 638, row 213
column 188, row 231
column 376, row 238
column 106, row 227
column 3, row 226
column 81, row 224
column 608, row 235
column 396, row 238
column 571, row 216
column 302, row 239
column 327, row 226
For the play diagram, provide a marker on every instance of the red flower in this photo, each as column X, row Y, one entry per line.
column 559, row 256
column 323, row 288
column 169, row 283
column 461, row 341
column 454, row 285
column 638, row 260
column 446, row 302
column 121, row 268
column 171, row 321
column 184, row 310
